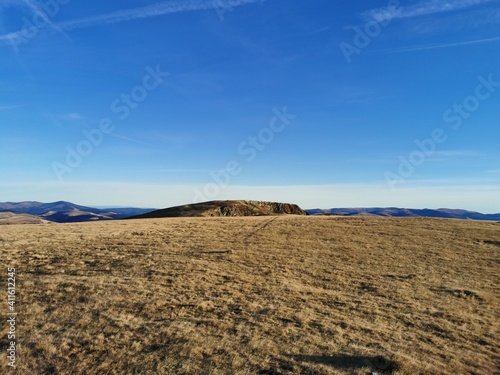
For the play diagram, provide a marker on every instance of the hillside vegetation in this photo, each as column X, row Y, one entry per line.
column 255, row 295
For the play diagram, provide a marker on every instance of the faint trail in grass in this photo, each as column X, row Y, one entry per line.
column 259, row 228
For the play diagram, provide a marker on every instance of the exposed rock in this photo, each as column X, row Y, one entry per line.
column 226, row 208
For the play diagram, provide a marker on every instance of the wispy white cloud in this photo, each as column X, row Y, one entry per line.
column 71, row 116
column 64, row 119
column 154, row 10
column 133, row 140
column 6, row 107
column 474, row 18
column 423, row 47
column 168, row 170
column 454, row 156
column 458, row 153
column 34, row 9
column 422, row 8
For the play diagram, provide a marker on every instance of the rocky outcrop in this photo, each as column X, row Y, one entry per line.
column 226, row 209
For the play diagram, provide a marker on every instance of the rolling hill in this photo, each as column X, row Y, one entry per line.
column 67, row 212
column 12, row 218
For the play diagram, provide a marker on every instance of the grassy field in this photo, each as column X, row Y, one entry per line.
column 262, row 295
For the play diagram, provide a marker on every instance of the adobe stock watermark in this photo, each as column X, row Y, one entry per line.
column 364, row 36
column 454, row 117
column 43, row 11
column 12, row 315
column 250, row 148
column 121, row 107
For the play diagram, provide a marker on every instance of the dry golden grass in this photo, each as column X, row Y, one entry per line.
column 265, row 295
column 9, row 218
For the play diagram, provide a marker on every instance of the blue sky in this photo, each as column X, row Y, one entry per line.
column 323, row 103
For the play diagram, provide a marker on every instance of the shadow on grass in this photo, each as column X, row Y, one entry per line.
column 496, row 243
column 346, row 362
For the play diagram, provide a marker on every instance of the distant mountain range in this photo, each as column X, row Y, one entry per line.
column 62, row 212
column 67, row 212
column 445, row 213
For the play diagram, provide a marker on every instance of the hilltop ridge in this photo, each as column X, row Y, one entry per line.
column 226, row 208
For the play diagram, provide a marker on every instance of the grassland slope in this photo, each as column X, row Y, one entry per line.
column 11, row 218
column 255, row 295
